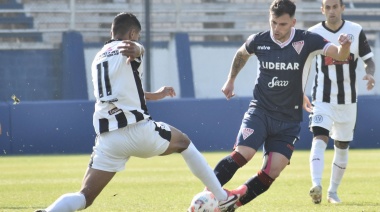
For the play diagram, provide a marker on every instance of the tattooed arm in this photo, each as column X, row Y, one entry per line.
column 369, row 66
column 238, row 62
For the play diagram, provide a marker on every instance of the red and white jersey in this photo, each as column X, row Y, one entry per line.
column 118, row 89
column 335, row 81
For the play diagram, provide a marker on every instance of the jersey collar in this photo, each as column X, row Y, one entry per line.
column 109, row 41
column 333, row 31
column 282, row 45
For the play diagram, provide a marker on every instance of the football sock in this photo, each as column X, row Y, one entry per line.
column 317, row 159
column 227, row 167
column 200, row 168
column 68, row 203
column 256, row 186
column 338, row 168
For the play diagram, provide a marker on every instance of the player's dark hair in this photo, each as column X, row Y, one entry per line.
column 341, row 2
column 123, row 22
column 281, row 7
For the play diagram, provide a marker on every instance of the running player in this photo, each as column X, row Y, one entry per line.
column 334, row 98
column 273, row 118
column 123, row 125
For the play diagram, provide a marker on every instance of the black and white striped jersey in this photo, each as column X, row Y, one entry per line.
column 118, row 89
column 283, row 71
column 335, row 81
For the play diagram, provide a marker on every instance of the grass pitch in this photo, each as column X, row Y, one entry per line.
column 165, row 184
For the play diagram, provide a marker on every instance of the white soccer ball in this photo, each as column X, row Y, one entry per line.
column 204, row 201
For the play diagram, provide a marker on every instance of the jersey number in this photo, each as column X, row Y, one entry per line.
column 100, row 67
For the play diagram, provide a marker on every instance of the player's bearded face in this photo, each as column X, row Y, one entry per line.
column 281, row 26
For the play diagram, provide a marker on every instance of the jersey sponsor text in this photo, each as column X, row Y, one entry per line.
column 280, row 66
column 278, row 83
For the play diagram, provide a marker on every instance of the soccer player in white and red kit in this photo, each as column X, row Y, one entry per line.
column 334, row 97
column 273, row 118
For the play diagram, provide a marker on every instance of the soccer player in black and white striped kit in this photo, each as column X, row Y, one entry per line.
column 273, row 118
column 123, row 125
column 334, row 97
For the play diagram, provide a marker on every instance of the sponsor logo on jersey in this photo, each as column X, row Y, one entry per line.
column 263, row 48
column 350, row 37
column 318, row 119
column 114, row 111
column 246, row 132
column 278, row 83
column 280, row 66
column 109, row 53
column 298, row 46
column 110, row 101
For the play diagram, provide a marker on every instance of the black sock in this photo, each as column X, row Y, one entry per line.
column 256, row 186
column 227, row 167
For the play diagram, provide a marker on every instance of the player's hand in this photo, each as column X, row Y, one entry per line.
column 166, row 91
column 307, row 106
column 344, row 40
column 371, row 81
column 228, row 89
column 131, row 49
column 160, row 93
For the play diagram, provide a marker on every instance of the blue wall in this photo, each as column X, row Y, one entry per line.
column 66, row 126
column 45, row 74
column 30, row 74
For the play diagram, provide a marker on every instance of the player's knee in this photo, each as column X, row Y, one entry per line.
column 341, row 144
column 182, row 143
column 273, row 173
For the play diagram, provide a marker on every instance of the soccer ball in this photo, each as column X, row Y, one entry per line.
column 204, row 201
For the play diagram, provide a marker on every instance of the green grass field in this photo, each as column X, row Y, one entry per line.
column 165, row 184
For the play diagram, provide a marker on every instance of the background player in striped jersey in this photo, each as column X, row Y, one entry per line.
column 123, row 125
column 334, row 97
column 273, row 118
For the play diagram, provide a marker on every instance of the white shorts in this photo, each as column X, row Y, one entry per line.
column 340, row 120
column 144, row 139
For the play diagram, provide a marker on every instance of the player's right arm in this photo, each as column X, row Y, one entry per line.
column 240, row 59
column 131, row 49
column 341, row 52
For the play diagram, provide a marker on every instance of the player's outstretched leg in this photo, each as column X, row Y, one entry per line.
column 227, row 167
column 67, row 203
column 180, row 142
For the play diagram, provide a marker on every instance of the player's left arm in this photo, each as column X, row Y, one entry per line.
column 369, row 66
column 160, row 93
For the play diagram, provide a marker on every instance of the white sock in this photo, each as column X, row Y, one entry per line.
column 338, row 168
column 317, row 159
column 68, row 203
column 200, row 168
